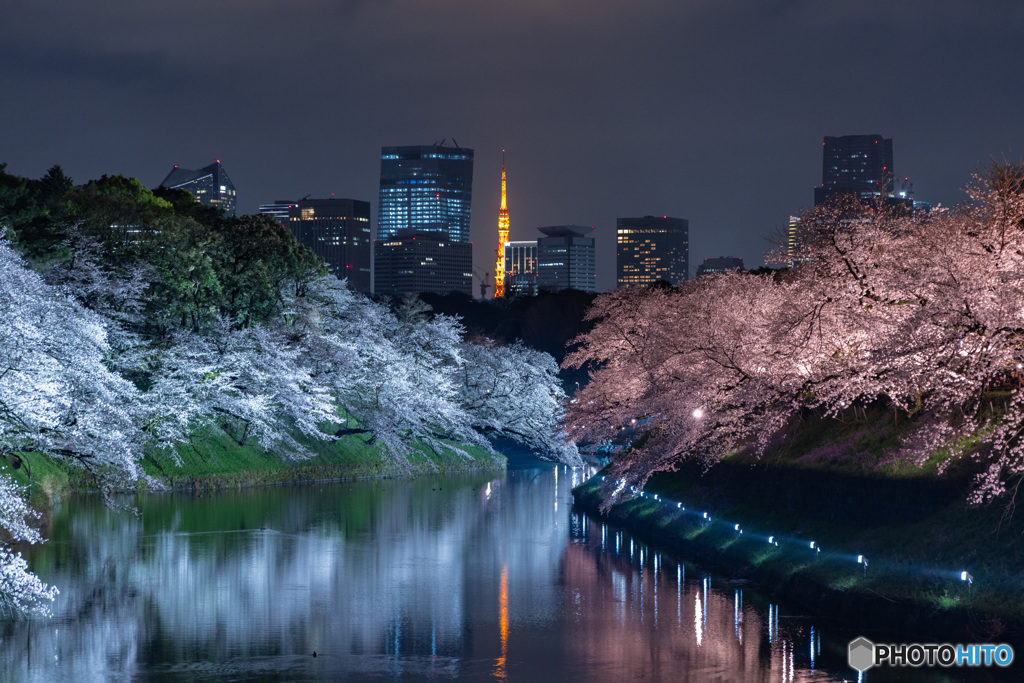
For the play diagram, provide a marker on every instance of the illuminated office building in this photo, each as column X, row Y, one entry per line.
column 521, row 268
column 209, row 185
column 565, row 259
column 652, row 248
column 338, row 231
column 860, row 165
column 425, row 189
column 428, row 189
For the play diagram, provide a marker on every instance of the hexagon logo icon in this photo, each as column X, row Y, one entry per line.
column 861, row 655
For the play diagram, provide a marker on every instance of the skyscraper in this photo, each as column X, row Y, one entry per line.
column 521, row 268
column 652, row 248
column 855, row 164
column 793, row 240
column 425, row 190
column 210, row 185
column 338, row 231
column 565, row 259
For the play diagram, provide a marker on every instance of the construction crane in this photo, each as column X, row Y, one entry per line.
column 485, row 281
column 907, row 189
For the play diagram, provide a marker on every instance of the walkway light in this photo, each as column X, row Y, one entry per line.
column 771, row 539
column 964, row 576
column 812, row 545
column 736, row 527
column 698, row 413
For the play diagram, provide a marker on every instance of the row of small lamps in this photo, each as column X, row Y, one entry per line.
column 813, row 545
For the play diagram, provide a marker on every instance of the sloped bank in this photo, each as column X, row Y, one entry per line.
column 917, row 534
column 212, row 460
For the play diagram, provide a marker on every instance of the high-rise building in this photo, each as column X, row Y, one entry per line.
column 280, row 209
column 793, row 239
column 425, row 189
column 499, row 267
column 652, row 248
column 720, row 265
column 210, row 185
column 418, row 261
column 338, row 231
column 856, row 164
column 565, row 259
column 521, row 268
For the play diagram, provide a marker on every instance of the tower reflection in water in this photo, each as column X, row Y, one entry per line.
column 475, row 577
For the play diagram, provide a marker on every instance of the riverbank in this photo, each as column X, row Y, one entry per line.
column 213, row 460
column 911, row 524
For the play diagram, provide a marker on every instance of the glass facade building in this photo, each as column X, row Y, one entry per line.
column 521, row 268
column 428, row 188
column 565, row 259
column 209, row 185
column 424, row 190
column 652, row 248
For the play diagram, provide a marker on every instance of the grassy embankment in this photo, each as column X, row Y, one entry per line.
column 212, row 459
column 831, row 481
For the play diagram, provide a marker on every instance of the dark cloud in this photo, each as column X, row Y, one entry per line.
column 145, row 73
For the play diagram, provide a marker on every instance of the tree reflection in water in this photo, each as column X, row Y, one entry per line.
column 475, row 577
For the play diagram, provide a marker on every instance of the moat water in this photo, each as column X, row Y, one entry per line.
column 487, row 576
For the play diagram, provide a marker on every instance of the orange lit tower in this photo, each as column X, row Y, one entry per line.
column 499, row 268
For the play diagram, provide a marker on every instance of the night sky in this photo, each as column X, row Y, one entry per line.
column 710, row 110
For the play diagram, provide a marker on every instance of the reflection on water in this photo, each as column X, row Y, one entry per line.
column 479, row 577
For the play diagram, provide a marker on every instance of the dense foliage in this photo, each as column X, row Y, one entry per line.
column 920, row 312
column 132, row 320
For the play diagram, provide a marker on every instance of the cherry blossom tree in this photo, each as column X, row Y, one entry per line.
column 513, row 391
column 921, row 312
column 57, row 397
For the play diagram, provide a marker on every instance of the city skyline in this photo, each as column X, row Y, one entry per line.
column 605, row 110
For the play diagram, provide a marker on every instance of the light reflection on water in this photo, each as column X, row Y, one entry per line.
column 476, row 577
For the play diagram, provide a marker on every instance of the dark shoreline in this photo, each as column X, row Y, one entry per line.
column 913, row 599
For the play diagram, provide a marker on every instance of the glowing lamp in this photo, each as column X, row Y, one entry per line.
column 698, row 413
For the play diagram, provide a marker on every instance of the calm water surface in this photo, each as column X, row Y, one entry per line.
column 476, row 577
